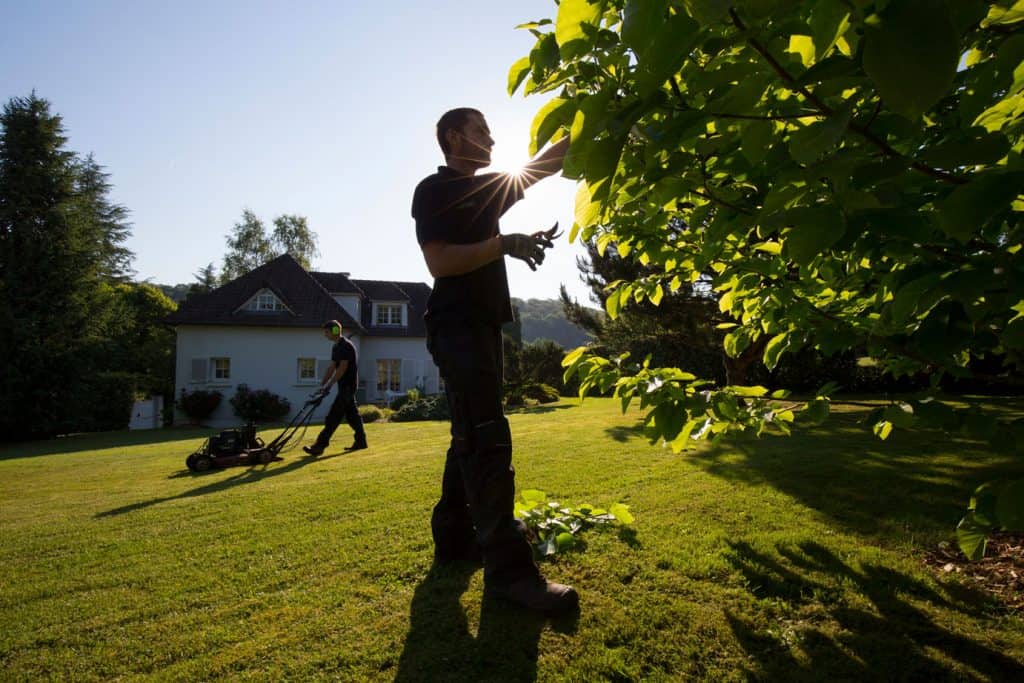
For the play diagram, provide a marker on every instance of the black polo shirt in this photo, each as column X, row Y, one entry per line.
column 344, row 350
column 459, row 209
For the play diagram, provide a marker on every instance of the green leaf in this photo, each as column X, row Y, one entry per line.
column 829, row 21
column 748, row 392
column 804, row 47
column 572, row 39
column 816, row 411
column 814, row 230
column 671, row 44
column 970, row 206
column 1004, row 15
column 587, row 210
column 517, row 74
column 755, row 137
column 911, row 73
column 602, row 160
column 807, row 144
column 707, row 11
column 641, row 20
column 591, row 116
column 556, row 113
column 972, row 537
column 775, row 348
column 612, row 304
column 621, row 513
column 983, row 503
column 983, row 149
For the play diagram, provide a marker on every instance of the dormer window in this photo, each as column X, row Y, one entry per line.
column 388, row 315
column 265, row 301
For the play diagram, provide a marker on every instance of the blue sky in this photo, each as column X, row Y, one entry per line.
column 198, row 110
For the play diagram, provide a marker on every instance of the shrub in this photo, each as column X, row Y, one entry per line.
column 370, row 413
column 199, row 404
column 259, row 405
column 541, row 393
column 427, row 408
column 103, row 402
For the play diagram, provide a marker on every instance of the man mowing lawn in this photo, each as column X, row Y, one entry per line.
column 342, row 371
column 457, row 213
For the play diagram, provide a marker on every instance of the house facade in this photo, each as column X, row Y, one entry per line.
column 264, row 330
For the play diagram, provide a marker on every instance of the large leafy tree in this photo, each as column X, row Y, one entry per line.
column 848, row 170
column 250, row 245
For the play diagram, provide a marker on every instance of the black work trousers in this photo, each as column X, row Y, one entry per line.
column 478, row 486
column 344, row 407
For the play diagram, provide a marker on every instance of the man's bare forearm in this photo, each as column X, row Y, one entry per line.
column 547, row 163
column 446, row 260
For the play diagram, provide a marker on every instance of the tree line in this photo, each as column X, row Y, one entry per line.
column 80, row 338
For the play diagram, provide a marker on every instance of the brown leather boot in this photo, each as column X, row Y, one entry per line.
column 538, row 594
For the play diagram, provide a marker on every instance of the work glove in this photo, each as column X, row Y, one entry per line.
column 529, row 248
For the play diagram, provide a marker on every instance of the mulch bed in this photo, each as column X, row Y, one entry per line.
column 1000, row 573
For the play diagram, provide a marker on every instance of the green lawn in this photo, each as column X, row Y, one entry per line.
column 782, row 559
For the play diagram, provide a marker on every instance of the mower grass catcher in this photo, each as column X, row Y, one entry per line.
column 242, row 446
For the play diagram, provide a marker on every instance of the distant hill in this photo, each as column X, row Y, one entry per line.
column 544, row 319
column 175, row 293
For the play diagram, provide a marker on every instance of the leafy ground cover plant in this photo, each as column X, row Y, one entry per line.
column 555, row 528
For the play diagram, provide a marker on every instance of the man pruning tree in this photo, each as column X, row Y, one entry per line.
column 342, row 371
column 457, row 213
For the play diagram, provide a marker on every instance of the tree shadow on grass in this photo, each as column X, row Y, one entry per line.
column 245, row 475
column 894, row 638
column 440, row 647
column 540, row 410
column 920, row 481
column 76, row 443
column 622, row 434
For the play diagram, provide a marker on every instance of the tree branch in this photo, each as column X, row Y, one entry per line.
column 863, row 131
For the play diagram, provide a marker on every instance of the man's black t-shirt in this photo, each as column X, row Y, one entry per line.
column 344, row 350
column 460, row 209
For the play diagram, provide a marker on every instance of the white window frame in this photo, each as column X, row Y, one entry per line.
column 312, row 379
column 215, row 370
column 391, row 307
column 386, row 382
column 265, row 301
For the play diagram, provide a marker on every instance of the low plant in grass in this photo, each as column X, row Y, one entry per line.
column 199, row 404
column 554, row 527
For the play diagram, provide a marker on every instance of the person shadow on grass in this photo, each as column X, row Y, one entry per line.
column 440, row 647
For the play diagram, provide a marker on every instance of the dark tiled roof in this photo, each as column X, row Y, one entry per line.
column 309, row 303
column 381, row 290
column 336, row 283
column 414, row 293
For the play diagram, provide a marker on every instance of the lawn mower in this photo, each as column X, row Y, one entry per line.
column 242, row 446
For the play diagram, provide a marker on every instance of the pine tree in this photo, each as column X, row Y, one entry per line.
column 110, row 221
column 49, row 273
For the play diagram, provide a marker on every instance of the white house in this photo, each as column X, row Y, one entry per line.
column 264, row 330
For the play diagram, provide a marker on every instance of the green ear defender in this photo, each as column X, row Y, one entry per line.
column 335, row 329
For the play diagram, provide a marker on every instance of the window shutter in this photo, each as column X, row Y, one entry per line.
column 200, row 370
column 322, row 366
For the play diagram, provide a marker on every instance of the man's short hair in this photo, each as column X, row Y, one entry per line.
column 455, row 119
column 332, row 326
